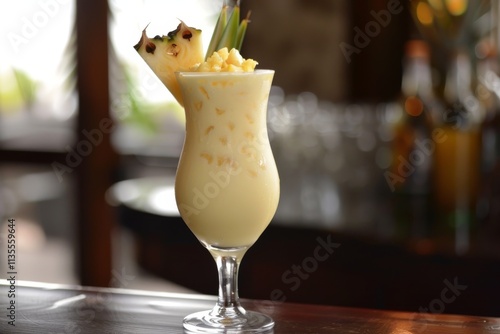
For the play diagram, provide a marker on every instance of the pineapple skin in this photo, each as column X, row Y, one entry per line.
column 179, row 50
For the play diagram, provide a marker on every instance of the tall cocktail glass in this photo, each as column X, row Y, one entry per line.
column 227, row 184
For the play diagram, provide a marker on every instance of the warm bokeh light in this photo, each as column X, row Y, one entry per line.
column 414, row 106
column 436, row 4
column 456, row 7
column 424, row 13
column 400, row 331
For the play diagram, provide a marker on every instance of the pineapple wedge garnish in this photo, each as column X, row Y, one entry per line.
column 182, row 49
column 179, row 50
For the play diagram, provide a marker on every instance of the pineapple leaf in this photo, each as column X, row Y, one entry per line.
column 242, row 29
column 228, row 38
column 219, row 29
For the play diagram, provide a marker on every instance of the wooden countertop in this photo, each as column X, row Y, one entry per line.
column 48, row 308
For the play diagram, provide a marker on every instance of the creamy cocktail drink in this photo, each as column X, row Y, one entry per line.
column 227, row 184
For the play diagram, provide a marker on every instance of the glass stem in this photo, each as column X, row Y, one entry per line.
column 228, row 302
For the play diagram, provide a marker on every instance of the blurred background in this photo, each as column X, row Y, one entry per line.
column 384, row 122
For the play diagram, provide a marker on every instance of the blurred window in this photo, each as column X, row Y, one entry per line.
column 36, row 64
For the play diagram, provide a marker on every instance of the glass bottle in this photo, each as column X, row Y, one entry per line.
column 457, row 156
column 412, row 153
column 488, row 91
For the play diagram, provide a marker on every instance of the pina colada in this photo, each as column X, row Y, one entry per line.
column 227, row 184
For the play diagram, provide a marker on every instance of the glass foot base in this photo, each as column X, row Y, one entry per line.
column 249, row 322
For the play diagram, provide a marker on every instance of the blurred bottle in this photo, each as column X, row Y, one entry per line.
column 413, row 145
column 488, row 91
column 457, row 156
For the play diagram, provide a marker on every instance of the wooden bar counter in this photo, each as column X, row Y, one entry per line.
column 47, row 308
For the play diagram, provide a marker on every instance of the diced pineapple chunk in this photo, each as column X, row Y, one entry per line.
column 223, row 53
column 234, row 58
column 227, row 61
column 248, row 65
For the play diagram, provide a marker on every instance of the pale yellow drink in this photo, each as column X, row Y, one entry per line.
column 227, row 184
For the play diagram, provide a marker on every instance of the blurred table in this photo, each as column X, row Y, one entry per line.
column 48, row 308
